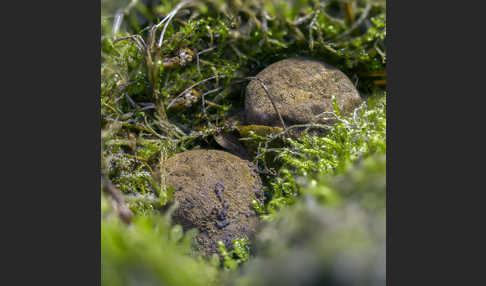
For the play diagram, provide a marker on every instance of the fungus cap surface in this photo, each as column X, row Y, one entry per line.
column 214, row 190
column 301, row 89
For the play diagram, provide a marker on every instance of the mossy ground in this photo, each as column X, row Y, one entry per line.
column 231, row 40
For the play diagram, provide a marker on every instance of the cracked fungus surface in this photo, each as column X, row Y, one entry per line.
column 301, row 89
column 214, row 190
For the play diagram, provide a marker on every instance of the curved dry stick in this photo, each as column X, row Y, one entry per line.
column 302, row 20
column 136, row 39
column 119, row 16
column 270, row 97
column 311, row 25
column 123, row 211
column 309, row 125
column 335, row 115
column 206, row 93
column 349, row 11
column 200, row 53
column 357, row 23
column 169, row 18
column 194, row 85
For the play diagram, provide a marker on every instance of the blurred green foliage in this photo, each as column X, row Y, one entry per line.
column 318, row 242
column 149, row 252
column 238, row 255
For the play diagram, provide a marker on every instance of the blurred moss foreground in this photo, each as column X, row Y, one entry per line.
column 343, row 243
column 323, row 218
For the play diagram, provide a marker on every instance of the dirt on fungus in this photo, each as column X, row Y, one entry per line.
column 214, row 190
column 301, row 89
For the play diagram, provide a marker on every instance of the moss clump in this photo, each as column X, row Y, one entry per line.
column 303, row 159
column 150, row 252
column 239, row 254
column 130, row 174
column 214, row 191
column 323, row 241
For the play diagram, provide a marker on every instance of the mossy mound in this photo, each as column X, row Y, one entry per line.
column 301, row 89
column 215, row 191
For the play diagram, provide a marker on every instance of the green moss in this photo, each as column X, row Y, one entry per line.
column 239, row 254
column 152, row 251
column 237, row 39
column 353, row 138
column 318, row 239
column 129, row 174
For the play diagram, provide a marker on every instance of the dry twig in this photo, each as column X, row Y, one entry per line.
column 192, row 86
column 356, row 24
column 270, row 97
column 123, row 211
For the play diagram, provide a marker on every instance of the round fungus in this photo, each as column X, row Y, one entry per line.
column 214, row 190
column 302, row 90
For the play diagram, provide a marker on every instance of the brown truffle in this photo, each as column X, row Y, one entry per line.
column 215, row 190
column 301, row 89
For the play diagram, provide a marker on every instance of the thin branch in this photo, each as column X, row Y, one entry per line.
column 311, row 37
column 302, row 20
column 169, row 18
column 265, row 14
column 119, row 16
column 136, row 39
column 252, row 16
column 349, row 11
column 355, row 112
column 357, row 23
column 138, row 109
column 310, row 125
column 117, row 22
column 192, row 86
column 335, row 115
column 200, row 53
column 380, row 52
column 170, row 126
column 151, row 129
column 155, row 27
column 206, row 93
column 123, row 211
column 238, row 52
column 380, row 82
column 270, row 97
column 372, row 74
column 162, row 165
